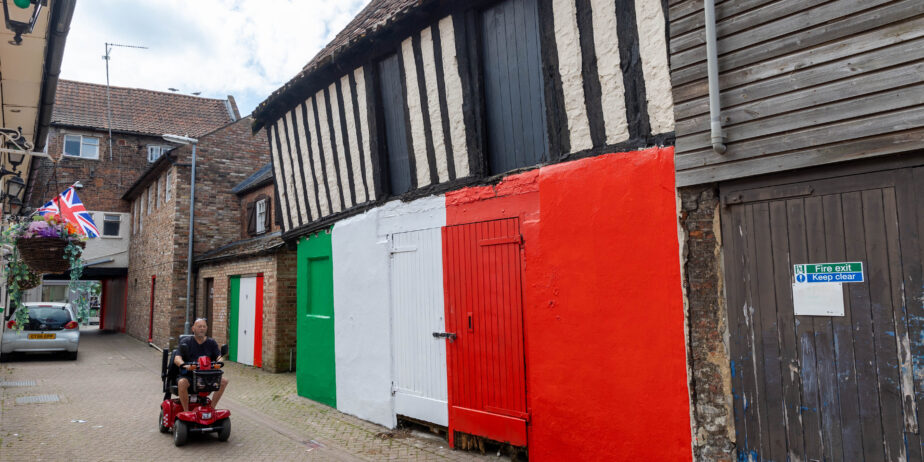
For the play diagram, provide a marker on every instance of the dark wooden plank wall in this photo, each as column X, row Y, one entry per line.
column 514, row 104
column 802, row 83
column 396, row 130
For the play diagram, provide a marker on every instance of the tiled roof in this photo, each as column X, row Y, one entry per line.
column 257, row 179
column 376, row 16
column 244, row 248
column 134, row 110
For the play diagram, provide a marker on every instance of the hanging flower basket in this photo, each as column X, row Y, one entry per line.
column 45, row 254
column 42, row 243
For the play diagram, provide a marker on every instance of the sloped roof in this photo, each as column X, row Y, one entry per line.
column 257, row 179
column 374, row 18
column 135, row 110
column 252, row 247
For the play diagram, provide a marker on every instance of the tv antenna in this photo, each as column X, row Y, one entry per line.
column 106, row 57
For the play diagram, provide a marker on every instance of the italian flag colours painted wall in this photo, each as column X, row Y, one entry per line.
column 544, row 311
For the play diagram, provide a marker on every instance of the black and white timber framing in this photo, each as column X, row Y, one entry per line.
column 605, row 88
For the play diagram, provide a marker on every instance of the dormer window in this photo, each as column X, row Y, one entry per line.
column 258, row 215
column 261, row 216
column 154, row 152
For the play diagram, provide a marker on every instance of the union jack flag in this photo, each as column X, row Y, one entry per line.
column 69, row 207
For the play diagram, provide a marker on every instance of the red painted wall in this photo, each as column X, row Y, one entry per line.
column 603, row 310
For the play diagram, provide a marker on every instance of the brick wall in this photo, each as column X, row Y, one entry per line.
column 707, row 320
column 104, row 181
column 224, row 158
column 278, row 302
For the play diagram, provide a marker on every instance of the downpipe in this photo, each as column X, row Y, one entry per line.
column 712, row 68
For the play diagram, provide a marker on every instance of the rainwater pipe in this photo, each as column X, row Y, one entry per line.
column 192, row 214
column 712, row 70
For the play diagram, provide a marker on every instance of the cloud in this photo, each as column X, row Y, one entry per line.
column 218, row 47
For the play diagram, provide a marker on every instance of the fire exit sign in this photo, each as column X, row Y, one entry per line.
column 828, row 272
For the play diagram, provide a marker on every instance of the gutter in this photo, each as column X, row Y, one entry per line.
column 60, row 19
column 712, row 68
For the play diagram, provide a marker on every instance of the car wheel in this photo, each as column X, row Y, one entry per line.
column 180, row 432
column 72, row 355
column 225, row 431
column 160, row 423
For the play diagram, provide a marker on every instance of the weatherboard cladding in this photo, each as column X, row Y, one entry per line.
column 328, row 150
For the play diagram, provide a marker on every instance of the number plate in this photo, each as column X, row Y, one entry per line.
column 41, row 336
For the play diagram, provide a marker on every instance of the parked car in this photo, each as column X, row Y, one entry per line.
column 52, row 328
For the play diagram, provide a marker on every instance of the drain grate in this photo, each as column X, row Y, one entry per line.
column 22, row 383
column 37, row 399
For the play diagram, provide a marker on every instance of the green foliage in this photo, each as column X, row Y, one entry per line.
column 80, row 289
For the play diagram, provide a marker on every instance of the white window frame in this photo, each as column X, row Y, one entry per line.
column 167, row 186
column 85, row 141
column 260, row 216
column 111, row 217
column 155, row 151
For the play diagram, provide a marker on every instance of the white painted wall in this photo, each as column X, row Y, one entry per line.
column 362, row 326
column 362, row 338
column 109, row 247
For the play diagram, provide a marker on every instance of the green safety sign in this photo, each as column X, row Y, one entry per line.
column 828, row 272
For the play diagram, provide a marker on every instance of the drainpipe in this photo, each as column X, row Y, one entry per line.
column 192, row 214
column 712, row 67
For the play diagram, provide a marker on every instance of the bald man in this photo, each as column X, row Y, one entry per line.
column 196, row 346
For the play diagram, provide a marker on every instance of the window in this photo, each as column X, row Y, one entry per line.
column 154, row 152
column 150, row 200
column 513, row 86
column 261, row 217
column 86, row 147
column 167, row 187
column 135, row 217
column 157, row 193
column 258, row 215
column 111, row 224
column 141, row 213
column 399, row 163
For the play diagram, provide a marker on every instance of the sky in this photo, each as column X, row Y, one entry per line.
column 243, row 48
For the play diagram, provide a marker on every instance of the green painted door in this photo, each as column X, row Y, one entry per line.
column 233, row 317
column 315, row 344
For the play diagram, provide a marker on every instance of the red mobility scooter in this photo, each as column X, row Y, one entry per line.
column 201, row 417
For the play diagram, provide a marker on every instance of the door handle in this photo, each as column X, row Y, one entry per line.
column 448, row 335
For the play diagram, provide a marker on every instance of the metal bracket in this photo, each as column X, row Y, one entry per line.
column 448, row 335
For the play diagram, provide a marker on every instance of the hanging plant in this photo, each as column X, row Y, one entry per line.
column 48, row 244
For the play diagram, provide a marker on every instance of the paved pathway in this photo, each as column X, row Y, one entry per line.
column 108, row 402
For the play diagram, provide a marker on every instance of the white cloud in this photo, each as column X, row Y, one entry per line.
column 218, row 47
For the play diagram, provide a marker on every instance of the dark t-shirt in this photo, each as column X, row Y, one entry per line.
column 194, row 350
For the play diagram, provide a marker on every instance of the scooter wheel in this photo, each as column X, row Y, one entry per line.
column 180, row 433
column 225, row 431
column 160, row 423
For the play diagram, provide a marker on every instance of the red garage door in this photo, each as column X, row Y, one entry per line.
column 487, row 377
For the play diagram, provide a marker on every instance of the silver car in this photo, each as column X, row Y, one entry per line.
column 52, row 328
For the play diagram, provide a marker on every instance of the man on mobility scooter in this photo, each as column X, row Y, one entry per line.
column 200, row 375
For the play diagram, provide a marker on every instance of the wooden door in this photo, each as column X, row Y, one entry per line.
column 417, row 313
column 826, row 387
column 487, row 376
column 246, row 319
column 315, row 366
column 209, row 299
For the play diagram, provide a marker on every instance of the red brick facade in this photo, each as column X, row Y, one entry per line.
column 279, row 282
column 225, row 157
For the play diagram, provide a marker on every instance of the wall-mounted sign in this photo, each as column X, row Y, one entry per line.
column 825, row 299
column 828, row 272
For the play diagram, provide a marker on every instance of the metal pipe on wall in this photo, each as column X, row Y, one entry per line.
column 712, row 68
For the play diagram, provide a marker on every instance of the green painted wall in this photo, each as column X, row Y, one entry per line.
column 234, row 301
column 315, row 344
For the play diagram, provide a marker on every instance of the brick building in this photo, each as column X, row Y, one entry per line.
column 227, row 274
column 159, row 201
column 79, row 150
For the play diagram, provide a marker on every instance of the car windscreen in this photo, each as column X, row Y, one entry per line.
column 47, row 318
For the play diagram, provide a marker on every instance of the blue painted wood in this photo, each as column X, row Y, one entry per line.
column 399, row 167
column 514, row 98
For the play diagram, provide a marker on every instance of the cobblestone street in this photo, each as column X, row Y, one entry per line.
column 104, row 406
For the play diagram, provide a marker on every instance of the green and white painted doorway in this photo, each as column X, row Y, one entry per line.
column 315, row 370
column 246, row 320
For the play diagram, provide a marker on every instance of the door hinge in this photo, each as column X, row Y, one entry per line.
column 394, row 389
